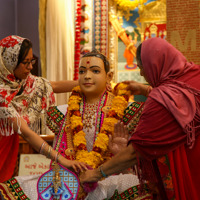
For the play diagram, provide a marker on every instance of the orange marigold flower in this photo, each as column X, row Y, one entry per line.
column 77, row 113
column 97, row 149
column 81, row 147
column 77, row 129
column 112, row 113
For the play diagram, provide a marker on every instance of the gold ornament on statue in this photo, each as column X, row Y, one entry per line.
column 56, row 178
column 69, row 152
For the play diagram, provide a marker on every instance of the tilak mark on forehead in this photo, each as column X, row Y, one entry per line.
column 88, row 61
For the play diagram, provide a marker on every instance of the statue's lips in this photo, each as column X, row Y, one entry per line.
column 88, row 84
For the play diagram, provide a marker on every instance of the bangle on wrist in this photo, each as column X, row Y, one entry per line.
column 49, row 152
column 102, row 172
column 42, row 147
column 58, row 157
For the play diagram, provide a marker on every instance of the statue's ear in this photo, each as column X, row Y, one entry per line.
column 109, row 76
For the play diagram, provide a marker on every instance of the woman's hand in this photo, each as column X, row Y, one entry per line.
column 119, row 139
column 136, row 88
column 90, row 176
column 73, row 164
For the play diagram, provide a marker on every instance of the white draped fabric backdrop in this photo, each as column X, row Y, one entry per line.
column 60, row 43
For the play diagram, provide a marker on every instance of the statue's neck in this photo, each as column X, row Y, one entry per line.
column 93, row 99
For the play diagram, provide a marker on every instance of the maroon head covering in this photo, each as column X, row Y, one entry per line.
column 165, row 68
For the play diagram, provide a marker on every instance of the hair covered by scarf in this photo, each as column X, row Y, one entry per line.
column 10, row 48
column 164, row 67
column 37, row 93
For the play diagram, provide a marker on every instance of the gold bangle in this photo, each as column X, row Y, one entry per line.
column 49, row 152
column 42, row 147
column 58, row 157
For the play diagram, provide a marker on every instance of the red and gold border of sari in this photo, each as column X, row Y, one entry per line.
column 11, row 190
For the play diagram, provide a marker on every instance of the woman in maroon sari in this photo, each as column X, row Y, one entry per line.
column 166, row 144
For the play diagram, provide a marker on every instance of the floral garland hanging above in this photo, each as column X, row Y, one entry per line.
column 126, row 5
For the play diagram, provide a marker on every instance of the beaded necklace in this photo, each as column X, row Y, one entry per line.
column 99, row 115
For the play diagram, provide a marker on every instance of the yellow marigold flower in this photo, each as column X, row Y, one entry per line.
column 76, row 89
column 124, row 92
column 119, row 101
column 119, row 112
column 74, row 107
column 79, row 138
column 108, row 124
column 121, row 90
column 78, row 142
column 74, row 101
column 81, row 154
column 74, row 98
column 119, row 104
column 91, row 158
column 75, row 121
column 102, row 142
column 122, row 86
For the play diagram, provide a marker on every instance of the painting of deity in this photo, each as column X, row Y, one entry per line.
column 137, row 29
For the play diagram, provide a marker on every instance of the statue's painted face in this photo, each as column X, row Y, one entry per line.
column 92, row 77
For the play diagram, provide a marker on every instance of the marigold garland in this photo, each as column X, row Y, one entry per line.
column 100, row 146
column 128, row 4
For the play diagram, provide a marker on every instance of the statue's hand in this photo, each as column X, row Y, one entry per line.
column 119, row 139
